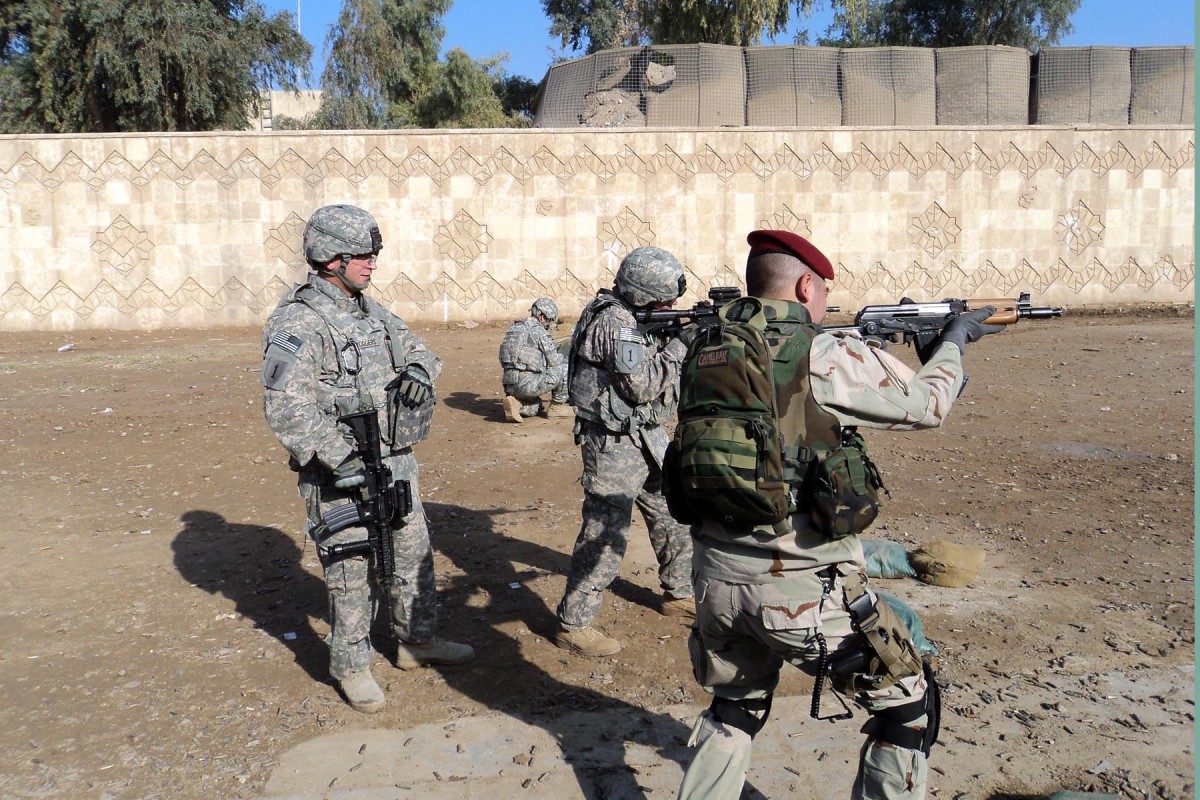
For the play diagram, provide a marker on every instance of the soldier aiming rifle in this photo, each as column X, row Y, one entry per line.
column 670, row 321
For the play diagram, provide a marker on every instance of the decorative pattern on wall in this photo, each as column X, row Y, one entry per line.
column 1079, row 227
column 284, row 241
column 154, row 240
column 462, row 239
column 249, row 166
column 934, row 231
column 786, row 220
column 624, row 233
column 122, row 247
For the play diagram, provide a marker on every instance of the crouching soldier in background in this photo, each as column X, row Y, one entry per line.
column 331, row 351
column 533, row 366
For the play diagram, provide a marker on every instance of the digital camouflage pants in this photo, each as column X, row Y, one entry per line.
column 618, row 475
column 743, row 635
column 528, row 387
column 348, row 581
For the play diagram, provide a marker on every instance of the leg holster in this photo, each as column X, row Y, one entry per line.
column 891, row 724
column 892, row 655
column 742, row 714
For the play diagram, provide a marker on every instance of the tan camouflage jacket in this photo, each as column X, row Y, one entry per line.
column 860, row 384
column 321, row 364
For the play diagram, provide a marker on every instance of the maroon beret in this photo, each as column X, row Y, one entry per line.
column 793, row 245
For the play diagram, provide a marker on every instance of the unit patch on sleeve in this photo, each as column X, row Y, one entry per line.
column 279, row 359
column 631, row 349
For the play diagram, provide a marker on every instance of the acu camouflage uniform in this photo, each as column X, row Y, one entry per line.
column 532, row 366
column 326, row 355
column 764, row 600
column 623, row 387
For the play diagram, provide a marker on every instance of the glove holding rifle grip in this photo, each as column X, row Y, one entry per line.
column 413, row 386
column 970, row 327
column 350, row 473
column 962, row 330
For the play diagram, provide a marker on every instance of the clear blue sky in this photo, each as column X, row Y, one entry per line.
column 519, row 28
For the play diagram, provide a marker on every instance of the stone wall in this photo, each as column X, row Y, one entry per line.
column 160, row 231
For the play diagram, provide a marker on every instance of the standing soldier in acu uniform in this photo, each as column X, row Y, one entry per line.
column 330, row 351
column 795, row 591
column 623, row 387
column 533, row 366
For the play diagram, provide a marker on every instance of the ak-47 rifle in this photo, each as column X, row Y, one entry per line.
column 380, row 504
column 672, row 320
column 919, row 324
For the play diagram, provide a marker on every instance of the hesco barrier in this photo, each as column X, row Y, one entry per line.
column 178, row 230
column 719, row 85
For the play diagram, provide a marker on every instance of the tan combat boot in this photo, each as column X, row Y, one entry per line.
column 362, row 692
column 587, row 642
column 436, row 651
column 678, row 607
column 512, row 408
column 558, row 411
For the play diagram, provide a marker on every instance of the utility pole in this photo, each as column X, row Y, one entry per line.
column 298, row 16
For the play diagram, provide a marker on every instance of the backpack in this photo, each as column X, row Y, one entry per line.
column 728, row 459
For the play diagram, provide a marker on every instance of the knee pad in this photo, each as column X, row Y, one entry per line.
column 890, row 724
column 742, row 714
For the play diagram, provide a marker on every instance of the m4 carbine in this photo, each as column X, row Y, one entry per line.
column 672, row 320
column 381, row 503
column 920, row 324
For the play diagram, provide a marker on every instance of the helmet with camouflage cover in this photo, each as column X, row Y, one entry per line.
column 650, row 275
column 340, row 230
column 546, row 308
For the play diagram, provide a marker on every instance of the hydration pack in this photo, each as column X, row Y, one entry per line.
column 733, row 459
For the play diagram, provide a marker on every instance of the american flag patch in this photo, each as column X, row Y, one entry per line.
column 287, row 342
column 630, row 335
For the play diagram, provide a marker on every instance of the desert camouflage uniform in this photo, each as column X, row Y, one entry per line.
column 763, row 600
column 532, row 366
column 326, row 355
column 623, row 387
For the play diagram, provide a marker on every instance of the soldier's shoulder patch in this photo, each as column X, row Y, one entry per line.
column 279, row 358
column 631, row 350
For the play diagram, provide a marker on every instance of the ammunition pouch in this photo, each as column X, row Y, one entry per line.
column 407, row 426
column 842, row 488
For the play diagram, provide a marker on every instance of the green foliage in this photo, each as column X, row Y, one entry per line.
column 517, row 95
column 94, row 66
column 950, row 23
column 383, row 72
column 734, row 22
column 464, row 95
column 383, row 59
column 593, row 25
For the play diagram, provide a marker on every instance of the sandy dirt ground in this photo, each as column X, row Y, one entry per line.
column 162, row 620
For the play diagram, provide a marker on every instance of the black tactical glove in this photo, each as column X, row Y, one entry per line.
column 350, row 473
column 969, row 327
column 413, row 386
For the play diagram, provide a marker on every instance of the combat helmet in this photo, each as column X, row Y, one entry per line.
column 544, row 307
column 340, row 230
column 650, row 275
